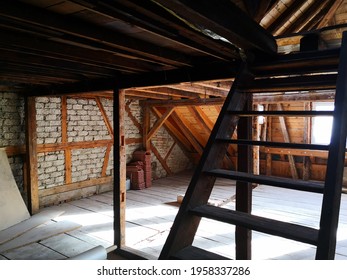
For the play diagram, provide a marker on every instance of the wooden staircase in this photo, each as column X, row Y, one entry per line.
column 236, row 112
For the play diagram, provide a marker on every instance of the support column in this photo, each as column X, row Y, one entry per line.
column 31, row 155
column 119, row 169
column 243, row 236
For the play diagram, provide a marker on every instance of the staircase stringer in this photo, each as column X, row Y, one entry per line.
column 334, row 175
column 199, row 190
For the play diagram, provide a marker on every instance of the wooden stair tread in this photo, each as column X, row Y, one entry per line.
column 293, row 184
column 265, row 225
column 195, row 253
column 275, row 144
column 282, row 113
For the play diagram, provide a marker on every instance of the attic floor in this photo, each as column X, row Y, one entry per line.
column 150, row 214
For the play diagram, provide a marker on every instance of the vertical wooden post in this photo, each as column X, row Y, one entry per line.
column 119, row 169
column 268, row 138
column 31, row 155
column 243, row 236
column 256, row 136
column 306, row 174
column 146, row 125
column 64, row 138
column 286, row 137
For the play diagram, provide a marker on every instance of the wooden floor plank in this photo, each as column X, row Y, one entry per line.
column 150, row 214
column 66, row 245
column 32, row 222
column 33, row 251
column 38, row 234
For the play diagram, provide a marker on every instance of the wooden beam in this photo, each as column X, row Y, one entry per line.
column 61, row 50
column 202, row 90
column 204, row 117
column 145, row 128
column 185, row 102
column 300, row 83
column 163, row 24
column 64, row 141
column 105, row 117
column 305, row 17
column 287, row 140
column 312, row 24
column 325, row 95
column 45, row 148
column 329, row 221
column 31, row 155
column 131, row 116
column 170, row 92
column 243, row 236
column 298, row 63
column 188, row 134
column 294, row 152
column 224, row 19
column 329, row 15
column 200, row 120
column 106, row 160
column 285, row 16
column 159, row 123
column 15, row 150
column 169, row 151
column 75, row 186
column 119, row 194
column 161, row 160
column 174, row 132
column 306, row 172
column 268, row 137
column 130, row 93
column 130, row 46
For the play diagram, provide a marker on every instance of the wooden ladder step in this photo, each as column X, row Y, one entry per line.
column 257, row 223
column 293, row 184
column 275, row 144
column 282, row 113
column 195, row 253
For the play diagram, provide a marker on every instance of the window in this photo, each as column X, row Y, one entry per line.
column 322, row 125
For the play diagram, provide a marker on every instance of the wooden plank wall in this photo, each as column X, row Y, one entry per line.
column 294, row 130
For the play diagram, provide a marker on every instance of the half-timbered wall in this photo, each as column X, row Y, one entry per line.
column 12, row 132
column 167, row 157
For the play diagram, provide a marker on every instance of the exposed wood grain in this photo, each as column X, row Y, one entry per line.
column 145, row 128
column 105, row 117
column 209, row 15
column 45, row 148
column 175, row 132
column 159, row 123
column 329, row 15
column 106, row 160
column 287, row 140
column 74, row 186
column 188, row 134
column 161, row 160
column 31, row 155
column 119, row 204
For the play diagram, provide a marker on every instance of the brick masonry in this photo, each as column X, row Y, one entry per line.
column 12, row 130
column 162, row 140
column 84, row 123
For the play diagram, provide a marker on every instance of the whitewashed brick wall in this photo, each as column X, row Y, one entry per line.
column 12, row 130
